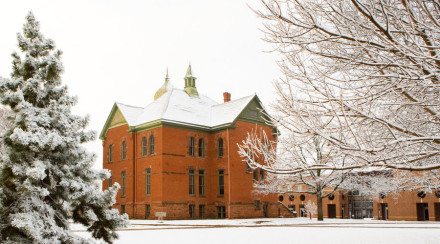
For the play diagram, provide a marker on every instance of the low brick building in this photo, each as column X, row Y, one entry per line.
column 178, row 156
column 344, row 204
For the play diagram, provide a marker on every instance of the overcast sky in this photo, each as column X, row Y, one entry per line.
column 120, row 50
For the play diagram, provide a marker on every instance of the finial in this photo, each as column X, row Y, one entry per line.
column 167, row 78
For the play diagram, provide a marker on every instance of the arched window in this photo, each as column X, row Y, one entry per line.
column 191, row 146
column 201, row 147
column 110, row 153
column 151, row 145
column 220, row 147
column 144, row 146
column 124, row 151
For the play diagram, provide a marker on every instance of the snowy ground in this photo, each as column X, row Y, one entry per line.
column 276, row 231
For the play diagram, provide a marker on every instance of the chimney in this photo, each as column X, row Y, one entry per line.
column 226, row 97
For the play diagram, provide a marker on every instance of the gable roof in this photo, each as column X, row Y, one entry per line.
column 177, row 107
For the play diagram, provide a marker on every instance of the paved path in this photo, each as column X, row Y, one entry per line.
column 165, row 226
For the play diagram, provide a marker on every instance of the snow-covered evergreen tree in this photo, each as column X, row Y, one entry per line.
column 46, row 175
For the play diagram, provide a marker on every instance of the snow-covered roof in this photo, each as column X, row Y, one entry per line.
column 177, row 107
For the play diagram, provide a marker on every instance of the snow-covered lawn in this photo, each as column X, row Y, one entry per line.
column 277, row 231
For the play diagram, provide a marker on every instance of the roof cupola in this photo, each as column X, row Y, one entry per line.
column 190, row 83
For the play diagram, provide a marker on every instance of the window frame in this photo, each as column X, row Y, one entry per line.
column 201, row 148
column 202, row 182
column 123, row 150
column 192, row 182
column 202, row 211
column 123, row 183
column 261, row 176
column 148, row 182
column 192, row 211
column 151, row 148
column 221, row 182
column 220, row 147
column 110, row 153
column 144, row 145
column 221, row 212
column 147, row 211
column 257, row 204
column 255, row 175
column 191, row 147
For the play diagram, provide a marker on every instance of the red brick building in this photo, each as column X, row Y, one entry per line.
column 178, row 155
column 344, row 204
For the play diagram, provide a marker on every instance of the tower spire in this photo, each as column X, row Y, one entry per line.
column 190, row 83
column 164, row 88
column 166, row 77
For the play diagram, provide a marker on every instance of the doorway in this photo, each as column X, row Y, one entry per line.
column 437, row 211
column 331, row 211
column 422, row 212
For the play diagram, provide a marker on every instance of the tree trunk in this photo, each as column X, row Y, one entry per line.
column 320, row 211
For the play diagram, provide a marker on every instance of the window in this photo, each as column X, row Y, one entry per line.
column 110, row 153
column 151, row 145
column 221, row 212
column 191, row 147
column 147, row 181
column 110, row 183
column 291, row 208
column 144, row 146
column 248, row 167
column 192, row 209
column 202, row 211
column 253, row 113
column 220, row 147
column 124, row 150
column 201, row 182
column 201, row 148
column 256, row 174
column 221, row 182
column 122, row 209
column 261, row 176
column 300, row 188
column 192, row 190
column 147, row 211
column 257, row 204
column 123, row 184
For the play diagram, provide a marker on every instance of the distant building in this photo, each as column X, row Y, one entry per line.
column 178, row 156
column 409, row 206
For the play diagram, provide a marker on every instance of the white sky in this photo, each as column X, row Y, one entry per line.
column 120, row 50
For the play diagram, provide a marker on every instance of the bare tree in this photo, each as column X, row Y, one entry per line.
column 290, row 153
column 362, row 74
column 311, row 208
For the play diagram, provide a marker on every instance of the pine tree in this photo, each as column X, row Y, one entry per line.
column 46, row 177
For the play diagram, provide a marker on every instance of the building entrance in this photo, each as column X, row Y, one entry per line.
column 437, row 211
column 331, row 211
column 422, row 212
column 383, row 211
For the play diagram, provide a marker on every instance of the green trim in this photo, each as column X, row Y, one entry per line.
column 106, row 127
column 255, row 105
